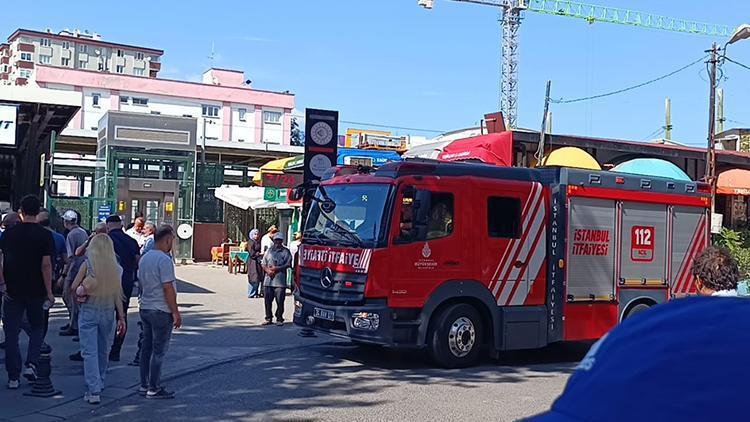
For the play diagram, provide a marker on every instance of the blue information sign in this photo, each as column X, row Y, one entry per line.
column 104, row 211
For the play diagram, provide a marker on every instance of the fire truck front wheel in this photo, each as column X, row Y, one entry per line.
column 456, row 336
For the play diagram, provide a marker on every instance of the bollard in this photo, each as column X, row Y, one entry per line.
column 42, row 386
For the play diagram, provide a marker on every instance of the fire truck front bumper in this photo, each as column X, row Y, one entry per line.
column 372, row 322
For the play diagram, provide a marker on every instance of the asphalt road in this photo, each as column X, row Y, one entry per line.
column 342, row 382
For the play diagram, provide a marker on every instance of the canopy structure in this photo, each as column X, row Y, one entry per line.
column 734, row 182
column 571, row 157
column 431, row 150
column 494, row 148
column 247, row 198
column 369, row 157
column 652, row 167
column 278, row 166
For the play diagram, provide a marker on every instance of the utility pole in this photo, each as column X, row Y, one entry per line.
column 711, row 147
column 543, row 131
column 668, row 119
column 720, row 110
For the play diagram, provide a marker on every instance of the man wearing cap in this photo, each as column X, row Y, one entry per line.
column 76, row 237
column 275, row 263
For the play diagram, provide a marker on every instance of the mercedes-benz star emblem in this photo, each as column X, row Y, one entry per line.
column 326, row 278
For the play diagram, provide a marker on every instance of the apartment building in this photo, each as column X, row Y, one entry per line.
column 25, row 49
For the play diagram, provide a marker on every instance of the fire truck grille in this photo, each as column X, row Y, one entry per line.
column 343, row 289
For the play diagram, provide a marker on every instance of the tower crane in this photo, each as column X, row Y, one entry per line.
column 511, row 21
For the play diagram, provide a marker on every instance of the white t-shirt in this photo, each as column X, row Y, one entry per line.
column 265, row 243
column 135, row 235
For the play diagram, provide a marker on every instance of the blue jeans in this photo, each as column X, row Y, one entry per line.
column 252, row 289
column 13, row 311
column 96, row 327
column 157, row 330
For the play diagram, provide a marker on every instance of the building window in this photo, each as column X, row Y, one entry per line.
column 140, row 101
column 119, row 53
column 138, row 72
column 24, row 73
column 82, row 48
column 124, row 99
column 65, row 45
column 155, row 112
column 44, row 42
column 120, row 68
column 210, row 111
column 504, row 217
column 242, row 113
column 82, row 64
column 187, row 115
column 45, row 59
column 26, row 56
column 273, row 117
column 139, row 55
column 95, row 99
column 65, row 62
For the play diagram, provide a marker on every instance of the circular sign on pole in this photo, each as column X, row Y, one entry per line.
column 184, row 231
column 319, row 163
column 321, row 133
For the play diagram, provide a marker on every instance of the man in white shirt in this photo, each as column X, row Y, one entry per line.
column 267, row 241
column 136, row 232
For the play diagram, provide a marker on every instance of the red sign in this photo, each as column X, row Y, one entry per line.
column 642, row 243
column 281, row 180
column 337, row 259
column 590, row 242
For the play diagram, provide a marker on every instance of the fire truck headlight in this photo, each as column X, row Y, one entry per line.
column 297, row 308
column 366, row 321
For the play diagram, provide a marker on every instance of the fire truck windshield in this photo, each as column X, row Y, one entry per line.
column 350, row 215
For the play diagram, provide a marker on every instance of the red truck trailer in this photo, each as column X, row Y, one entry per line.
column 459, row 258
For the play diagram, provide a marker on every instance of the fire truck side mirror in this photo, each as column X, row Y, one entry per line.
column 296, row 194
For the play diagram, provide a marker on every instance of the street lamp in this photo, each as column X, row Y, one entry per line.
column 741, row 33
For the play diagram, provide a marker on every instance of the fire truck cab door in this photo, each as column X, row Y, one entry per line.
column 515, row 242
column 429, row 239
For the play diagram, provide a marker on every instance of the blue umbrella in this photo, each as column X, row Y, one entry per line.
column 652, row 167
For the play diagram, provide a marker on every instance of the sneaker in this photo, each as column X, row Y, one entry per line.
column 267, row 322
column 76, row 357
column 135, row 362
column 70, row 332
column 65, row 327
column 76, row 339
column 29, row 372
column 142, row 390
column 92, row 398
column 46, row 349
column 14, row 384
column 279, row 323
column 159, row 394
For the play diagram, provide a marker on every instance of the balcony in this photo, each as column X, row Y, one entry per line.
column 155, row 66
column 21, row 81
column 27, row 48
column 4, row 60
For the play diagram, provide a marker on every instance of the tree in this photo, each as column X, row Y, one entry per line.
column 297, row 135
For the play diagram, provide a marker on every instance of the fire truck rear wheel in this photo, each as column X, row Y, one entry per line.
column 456, row 336
column 636, row 309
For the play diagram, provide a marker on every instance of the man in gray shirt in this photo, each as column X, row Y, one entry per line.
column 275, row 263
column 158, row 310
column 75, row 238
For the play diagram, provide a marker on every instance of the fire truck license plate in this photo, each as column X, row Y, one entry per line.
column 323, row 314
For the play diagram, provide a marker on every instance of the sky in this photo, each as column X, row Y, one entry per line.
column 390, row 62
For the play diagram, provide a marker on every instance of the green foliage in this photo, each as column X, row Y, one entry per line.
column 738, row 244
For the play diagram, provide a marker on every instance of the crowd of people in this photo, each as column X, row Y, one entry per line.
column 267, row 267
column 96, row 275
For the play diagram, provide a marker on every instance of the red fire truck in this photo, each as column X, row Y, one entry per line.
column 460, row 257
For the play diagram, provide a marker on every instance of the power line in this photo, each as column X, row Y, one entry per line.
column 737, row 63
column 619, row 91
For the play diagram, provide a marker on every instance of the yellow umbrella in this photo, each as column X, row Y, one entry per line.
column 571, row 157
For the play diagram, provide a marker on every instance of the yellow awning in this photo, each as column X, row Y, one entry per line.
column 571, row 157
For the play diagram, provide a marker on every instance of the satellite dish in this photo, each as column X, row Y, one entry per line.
column 184, row 231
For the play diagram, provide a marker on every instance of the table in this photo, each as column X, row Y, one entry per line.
column 242, row 256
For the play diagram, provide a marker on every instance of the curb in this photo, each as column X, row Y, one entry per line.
column 187, row 372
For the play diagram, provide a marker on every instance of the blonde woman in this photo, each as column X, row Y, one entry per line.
column 98, row 290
